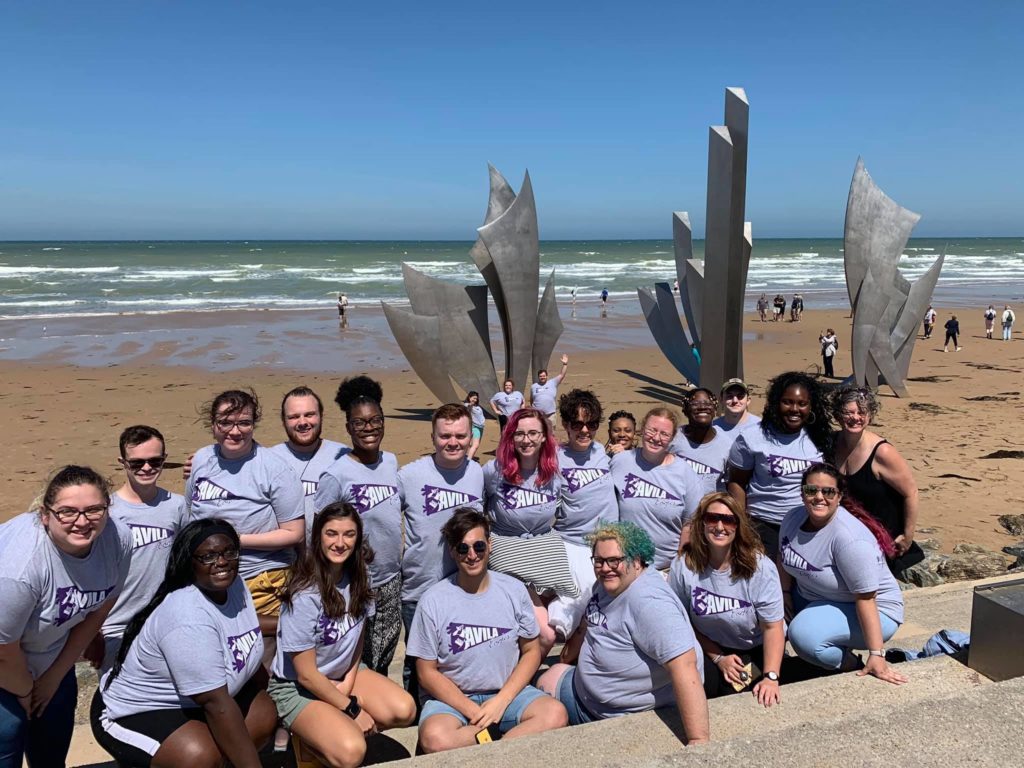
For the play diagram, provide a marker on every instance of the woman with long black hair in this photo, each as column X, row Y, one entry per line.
column 187, row 688
column 323, row 696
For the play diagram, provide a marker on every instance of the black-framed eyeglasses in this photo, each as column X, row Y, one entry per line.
column 362, row 424
column 226, row 425
column 828, row 491
column 137, row 465
column 209, row 558
column 611, row 562
column 68, row 515
column 479, row 547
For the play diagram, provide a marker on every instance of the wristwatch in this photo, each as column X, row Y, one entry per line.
column 773, row 676
column 353, row 709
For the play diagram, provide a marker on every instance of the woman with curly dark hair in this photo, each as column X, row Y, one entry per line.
column 324, row 698
column 367, row 478
column 765, row 464
column 733, row 595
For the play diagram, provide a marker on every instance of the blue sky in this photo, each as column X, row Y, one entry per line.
column 334, row 120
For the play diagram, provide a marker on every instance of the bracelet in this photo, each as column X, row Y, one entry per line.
column 716, row 659
column 880, row 653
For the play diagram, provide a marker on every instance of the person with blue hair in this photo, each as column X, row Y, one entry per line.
column 639, row 650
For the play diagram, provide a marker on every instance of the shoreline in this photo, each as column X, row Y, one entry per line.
column 69, row 405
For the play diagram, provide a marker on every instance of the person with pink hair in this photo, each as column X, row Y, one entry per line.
column 522, row 486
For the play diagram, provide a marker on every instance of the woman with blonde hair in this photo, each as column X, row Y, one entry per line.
column 733, row 595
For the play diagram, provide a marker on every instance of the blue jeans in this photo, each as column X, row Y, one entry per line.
column 510, row 719
column 44, row 741
column 824, row 633
column 1007, row 332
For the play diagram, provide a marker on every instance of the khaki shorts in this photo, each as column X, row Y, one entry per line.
column 290, row 698
column 266, row 591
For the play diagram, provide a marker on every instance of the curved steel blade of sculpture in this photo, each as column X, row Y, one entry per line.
column 445, row 335
column 886, row 306
column 712, row 291
column 549, row 326
column 513, row 246
column 461, row 311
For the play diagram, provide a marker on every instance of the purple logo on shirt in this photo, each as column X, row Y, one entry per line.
column 514, row 497
column 366, row 496
column 71, row 601
column 332, row 630
column 595, row 616
column 701, row 469
column 240, row 646
column 462, row 637
column 784, row 465
column 309, row 487
column 577, row 478
column 441, row 499
column 707, row 603
column 794, row 559
column 638, row 488
column 206, row 490
column 144, row 535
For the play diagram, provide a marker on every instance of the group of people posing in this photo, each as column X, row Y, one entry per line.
column 672, row 562
column 778, row 308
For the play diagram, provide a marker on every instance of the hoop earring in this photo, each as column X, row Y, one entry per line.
column 812, row 418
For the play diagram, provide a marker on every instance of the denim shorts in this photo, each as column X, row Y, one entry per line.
column 567, row 695
column 513, row 712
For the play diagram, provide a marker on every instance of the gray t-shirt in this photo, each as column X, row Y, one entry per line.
column 588, row 493
column 45, row 592
column 526, row 509
column 707, row 460
column 726, row 609
column 542, row 396
column 256, row 494
column 508, row 402
column 778, row 463
column 188, row 645
column 430, row 495
column 153, row 527
column 304, row 625
column 473, row 638
column 839, row 562
column 309, row 467
column 629, row 640
column 373, row 490
column 660, row 499
column 477, row 415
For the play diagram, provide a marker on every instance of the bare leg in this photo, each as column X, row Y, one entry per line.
column 387, row 702
column 543, row 714
column 443, row 732
column 331, row 734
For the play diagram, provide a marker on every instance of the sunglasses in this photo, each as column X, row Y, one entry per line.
column 729, row 521
column 591, row 425
column 136, row 465
column 479, row 547
column 828, row 491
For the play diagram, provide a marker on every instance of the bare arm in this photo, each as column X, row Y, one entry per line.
column 288, row 535
column 891, row 468
column 530, row 658
column 444, row 690
column 227, row 726
column 690, row 699
column 14, row 675
column 739, row 479
column 871, row 627
column 767, row 691
column 565, row 367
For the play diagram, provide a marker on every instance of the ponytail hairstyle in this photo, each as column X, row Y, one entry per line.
column 67, row 476
column 854, row 507
column 314, row 569
column 180, row 573
column 508, row 459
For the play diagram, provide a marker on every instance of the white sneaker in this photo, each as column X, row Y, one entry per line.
column 958, row 349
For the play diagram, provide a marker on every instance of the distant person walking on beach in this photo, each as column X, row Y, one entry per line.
column 604, row 296
column 990, row 320
column 1008, row 320
column 574, row 297
column 952, row 332
column 762, row 308
column 342, row 309
column 929, row 321
column 778, row 307
column 797, row 308
column 829, row 347
column 544, row 392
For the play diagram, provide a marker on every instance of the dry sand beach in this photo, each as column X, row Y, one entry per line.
column 66, row 401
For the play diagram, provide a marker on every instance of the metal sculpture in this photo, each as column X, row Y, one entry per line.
column 709, row 349
column 445, row 335
column 886, row 306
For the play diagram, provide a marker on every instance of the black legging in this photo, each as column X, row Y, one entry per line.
column 951, row 336
column 827, row 360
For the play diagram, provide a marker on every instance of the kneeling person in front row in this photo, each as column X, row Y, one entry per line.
column 475, row 639
column 639, row 651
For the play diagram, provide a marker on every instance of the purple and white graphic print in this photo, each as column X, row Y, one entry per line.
column 144, row 535
column 577, row 478
column 595, row 616
column 71, row 601
column 206, row 490
column 462, row 637
column 794, row 559
column 514, row 497
column 637, row 488
column 442, row 499
column 707, row 603
column 332, row 630
column 240, row 646
column 779, row 466
column 366, row 496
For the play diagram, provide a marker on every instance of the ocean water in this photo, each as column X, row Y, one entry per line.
column 59, row 279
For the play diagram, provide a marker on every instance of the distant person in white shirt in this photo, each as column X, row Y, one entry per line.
column 929, row 321
column 506, row 402
column 1008, row 320
column 545, row 390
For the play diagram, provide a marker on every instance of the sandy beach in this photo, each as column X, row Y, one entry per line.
column 69, row 392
